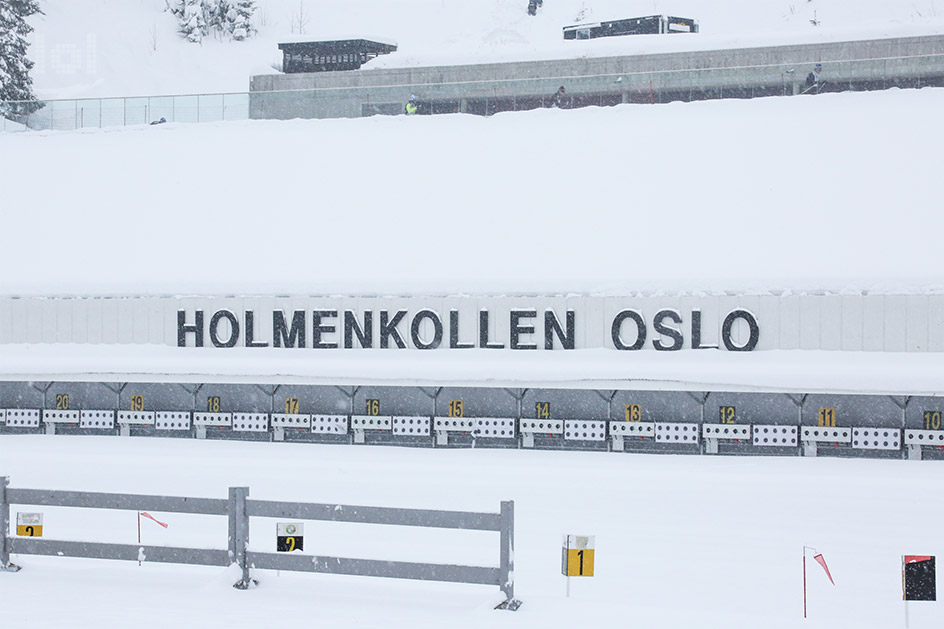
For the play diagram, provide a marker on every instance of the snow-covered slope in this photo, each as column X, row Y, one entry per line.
column 93, row 48
column 834, row 192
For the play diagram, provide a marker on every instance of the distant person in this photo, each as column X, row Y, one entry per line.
column 411, row 106
column 814, row 80
column 533, row 6
column 557, row 100
column 161, row 121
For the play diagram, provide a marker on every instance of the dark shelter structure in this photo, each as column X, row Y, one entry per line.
column 330, row 56
column 650, row 25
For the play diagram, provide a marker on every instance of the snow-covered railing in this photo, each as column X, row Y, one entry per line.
column 69, row 115
column 238, row 509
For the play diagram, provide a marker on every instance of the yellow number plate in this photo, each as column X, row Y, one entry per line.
column 29, row 530
column 580, row 562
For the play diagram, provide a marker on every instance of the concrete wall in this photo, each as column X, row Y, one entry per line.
column 737, row 73
column 883, row 323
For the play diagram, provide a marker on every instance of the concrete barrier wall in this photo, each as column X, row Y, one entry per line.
column 736, row 73
column 889, row 323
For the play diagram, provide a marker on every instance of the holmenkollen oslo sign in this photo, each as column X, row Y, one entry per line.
column 427, row 329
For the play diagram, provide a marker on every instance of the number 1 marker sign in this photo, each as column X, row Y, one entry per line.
column 577, row 556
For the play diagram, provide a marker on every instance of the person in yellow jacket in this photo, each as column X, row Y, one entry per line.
column 411, row 106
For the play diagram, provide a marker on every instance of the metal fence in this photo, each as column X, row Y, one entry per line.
column 238, row 509
column 69, row 115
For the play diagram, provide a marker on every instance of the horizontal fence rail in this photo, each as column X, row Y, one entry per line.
column 128, row 502
column 374, row 568
column 239, row 509
column 122, row 552
column 376, row 515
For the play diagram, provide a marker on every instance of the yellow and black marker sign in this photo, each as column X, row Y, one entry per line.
column 29, row 524
column 289, row 536
column 577, row 556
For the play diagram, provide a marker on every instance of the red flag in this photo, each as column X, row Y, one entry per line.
column 819, row 559
column 152, row 518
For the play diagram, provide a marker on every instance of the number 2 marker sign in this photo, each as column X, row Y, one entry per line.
column 29, row 524
column 289, row 536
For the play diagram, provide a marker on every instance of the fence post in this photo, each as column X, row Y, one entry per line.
column 5, row 565
column 506, row 569
column 239, row 533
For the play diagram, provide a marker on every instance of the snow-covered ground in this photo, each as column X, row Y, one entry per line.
column 682, row 542
column 835, row 192
column 96, row 48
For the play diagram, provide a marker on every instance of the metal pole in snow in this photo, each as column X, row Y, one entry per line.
column 804, row 582
column 139, row 534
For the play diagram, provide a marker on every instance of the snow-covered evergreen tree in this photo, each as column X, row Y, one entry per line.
column 192, row 18
column 220, row 16
column 227, row 18
column 15, row 81
column 243, row 28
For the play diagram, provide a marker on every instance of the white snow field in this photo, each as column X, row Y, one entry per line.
column 682, row 541
column 97, row 48
column 834, row 193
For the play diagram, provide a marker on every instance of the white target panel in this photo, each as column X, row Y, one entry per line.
column 819, row 433
column 453, row 424
column 584, row 430
column 770, row 436
column 250, row 422
column 286, row 420
column 60, row 417
column 213, row 419
column 495, row 427
column 725, row 431
column 632, row 429
column 136, row 418
column 329, row 424
column 876, row 438
column 97, row 420
column 676, row 433
column 3, row 415
column 172, row 420
column 371, row 422
column 411, row 426
column 22, row 417
column 542, row 426
column 924, row 437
